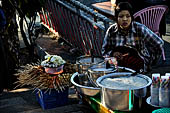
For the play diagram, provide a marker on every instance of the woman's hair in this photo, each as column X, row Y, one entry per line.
column 123, row 6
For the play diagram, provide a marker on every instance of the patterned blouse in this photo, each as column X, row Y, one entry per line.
column 147, row 43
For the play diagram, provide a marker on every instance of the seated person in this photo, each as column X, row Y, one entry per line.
column 133, row 44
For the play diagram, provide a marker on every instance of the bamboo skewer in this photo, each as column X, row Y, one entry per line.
column 34, row 75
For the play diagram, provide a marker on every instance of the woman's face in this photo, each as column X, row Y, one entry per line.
column 124, row 19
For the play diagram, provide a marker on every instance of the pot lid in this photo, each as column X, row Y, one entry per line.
column 89, row 60
column 101, row 67
column 121, row 81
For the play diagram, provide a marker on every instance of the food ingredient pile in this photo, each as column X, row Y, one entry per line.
column 36, row 76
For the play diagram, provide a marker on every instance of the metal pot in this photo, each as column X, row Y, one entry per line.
column 84, row 62
column 98, row 70
column 83, row 86
column 119, row 99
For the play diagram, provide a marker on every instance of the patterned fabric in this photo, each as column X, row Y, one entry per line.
column 148, row 44
column 130, row 59
column 132, row 62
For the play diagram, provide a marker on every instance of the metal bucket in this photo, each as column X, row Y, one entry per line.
column 84, row 62
column 98, row 70
column 83, row 85
column 119, row 99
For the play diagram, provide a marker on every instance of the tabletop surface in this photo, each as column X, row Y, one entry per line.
column 104, row 7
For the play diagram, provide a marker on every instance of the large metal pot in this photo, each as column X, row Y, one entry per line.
column 119, row 99
column 83, row 85
column 84, row 62
column 98, row 70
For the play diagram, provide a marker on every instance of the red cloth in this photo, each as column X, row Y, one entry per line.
column 133, row 62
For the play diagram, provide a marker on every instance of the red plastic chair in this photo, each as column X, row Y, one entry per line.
column 151, row 17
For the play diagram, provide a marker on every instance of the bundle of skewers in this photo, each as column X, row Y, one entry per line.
column 35, row 75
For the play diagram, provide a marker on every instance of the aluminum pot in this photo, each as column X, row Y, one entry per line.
column 83, row 86
column 98, row 70
column 84, row 62
column 119, row 99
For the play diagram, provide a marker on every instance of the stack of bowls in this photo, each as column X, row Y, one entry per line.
column 98, row 70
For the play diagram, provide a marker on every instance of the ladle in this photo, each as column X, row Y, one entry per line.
column 136, row 73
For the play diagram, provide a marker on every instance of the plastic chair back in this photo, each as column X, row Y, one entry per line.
column 151, row 16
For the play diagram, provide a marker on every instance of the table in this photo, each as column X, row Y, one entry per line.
column 97, row 106
column 105, row 8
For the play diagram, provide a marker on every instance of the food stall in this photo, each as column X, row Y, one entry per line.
column 107, row 89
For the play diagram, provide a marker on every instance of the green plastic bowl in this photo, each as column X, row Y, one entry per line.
column 162, row 110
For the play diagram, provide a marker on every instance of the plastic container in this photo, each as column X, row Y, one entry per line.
column 162, row 110
column 155, row 89
column 54, row 70
column 154, row 95
column 164, row 97
column 167, row 74
column 52, row 99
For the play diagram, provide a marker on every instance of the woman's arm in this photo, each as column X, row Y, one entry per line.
column 154, row 45
column 107, row 42
column 105, row 46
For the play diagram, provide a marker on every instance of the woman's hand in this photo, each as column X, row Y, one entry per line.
column 111, row 60
column 118, row 55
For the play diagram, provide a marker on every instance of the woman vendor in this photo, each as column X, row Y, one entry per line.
column 133, row 44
